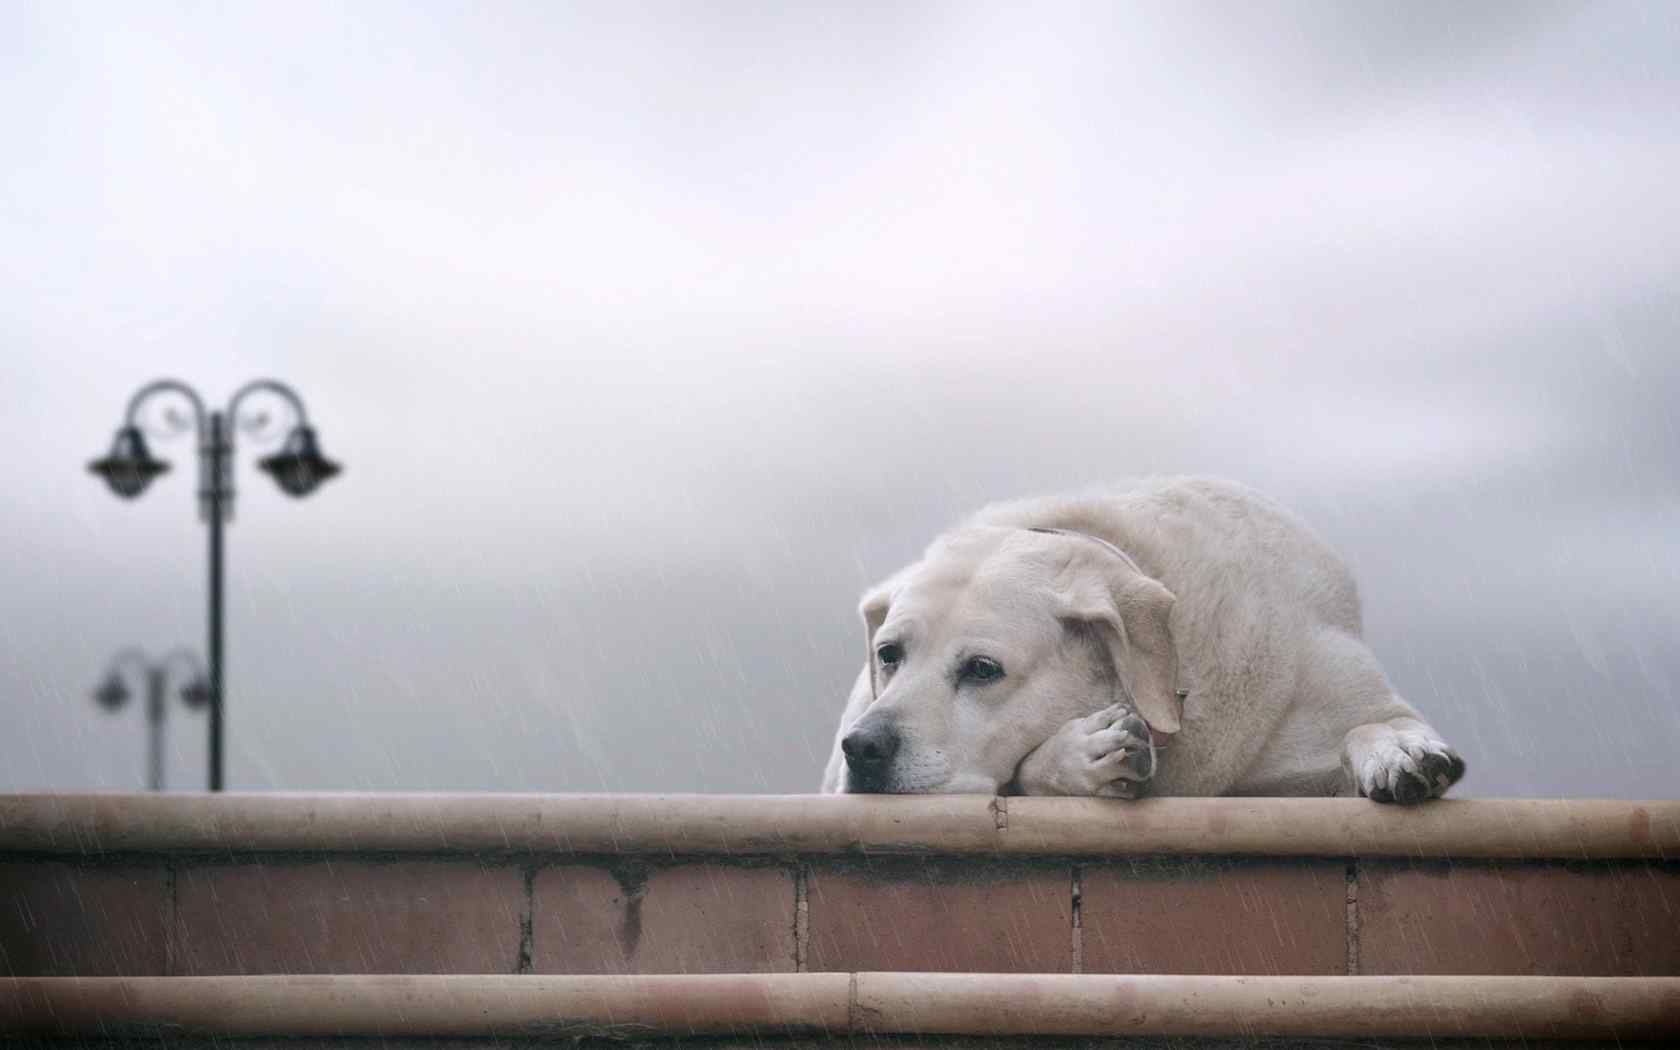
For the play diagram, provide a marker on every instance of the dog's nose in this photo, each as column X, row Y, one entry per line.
column 869, row 748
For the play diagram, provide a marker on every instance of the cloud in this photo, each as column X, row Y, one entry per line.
column 650, row 338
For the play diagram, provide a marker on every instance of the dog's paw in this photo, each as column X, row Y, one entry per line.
column 1406, row 766
column 1107, row 754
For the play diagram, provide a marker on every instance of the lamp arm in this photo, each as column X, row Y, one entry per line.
column 129, row 658
column 166, row 386
column 183, row 660
column 271, row 386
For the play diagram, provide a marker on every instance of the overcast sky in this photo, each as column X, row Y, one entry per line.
column 651, row 335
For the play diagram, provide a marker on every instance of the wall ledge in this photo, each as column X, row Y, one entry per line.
column 92, row 824
column 842, row 1004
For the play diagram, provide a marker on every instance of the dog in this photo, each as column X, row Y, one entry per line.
column 1182, row 637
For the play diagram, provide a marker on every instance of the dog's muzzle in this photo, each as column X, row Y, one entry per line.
column 869, row 749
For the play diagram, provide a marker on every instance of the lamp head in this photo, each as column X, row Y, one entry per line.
column 111, row 694
column 299, row 467
column 130, row 466
column 196, row 693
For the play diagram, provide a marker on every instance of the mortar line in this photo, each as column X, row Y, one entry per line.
column 801, row 919
column 1078, row 923
column 1352, row 929
column 527, row 921
column 852, row 1005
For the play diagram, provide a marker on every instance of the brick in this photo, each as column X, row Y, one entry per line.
column 632, row 917
column 350, row 916
column 62, row 919
column 1214, row 916
column 977, row 914
column 1565, row 919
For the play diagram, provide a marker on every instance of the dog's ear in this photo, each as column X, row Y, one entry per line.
column 873, row 609
column 1132, row 612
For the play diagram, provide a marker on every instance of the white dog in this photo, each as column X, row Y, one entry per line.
column 1050, row 646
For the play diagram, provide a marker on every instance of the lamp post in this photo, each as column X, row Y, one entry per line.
column 113, row 694
column 298, row 468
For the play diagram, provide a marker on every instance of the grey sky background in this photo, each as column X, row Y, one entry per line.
column 651, row 335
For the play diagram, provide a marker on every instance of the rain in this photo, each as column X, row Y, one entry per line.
column 649, row 337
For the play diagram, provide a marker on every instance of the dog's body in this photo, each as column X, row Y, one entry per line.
column 1017, row 655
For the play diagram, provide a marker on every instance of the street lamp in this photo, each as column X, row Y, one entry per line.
column 299, row 468
column 113, row 694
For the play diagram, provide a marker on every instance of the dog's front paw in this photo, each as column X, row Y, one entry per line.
column 1108, row 754
column 1406, row 766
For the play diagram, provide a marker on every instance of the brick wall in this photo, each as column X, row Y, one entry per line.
column 72, row 906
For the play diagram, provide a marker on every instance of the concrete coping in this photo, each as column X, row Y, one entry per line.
column 88, row 824
column 840, row 1004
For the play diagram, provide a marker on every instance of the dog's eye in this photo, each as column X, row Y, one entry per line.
column 982, row 669
column 890, row 654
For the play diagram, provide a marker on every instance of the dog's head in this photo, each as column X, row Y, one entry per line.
column 994, row 639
